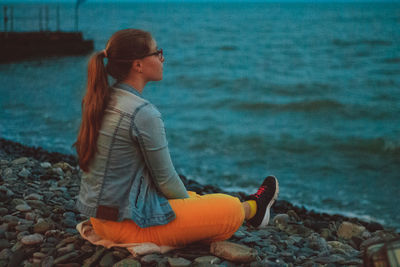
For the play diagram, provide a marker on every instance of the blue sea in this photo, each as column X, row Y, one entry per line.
column 307, row 92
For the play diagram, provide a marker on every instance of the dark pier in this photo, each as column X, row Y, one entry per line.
column 21, row 45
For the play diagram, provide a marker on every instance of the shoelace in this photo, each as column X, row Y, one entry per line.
column 260, row 191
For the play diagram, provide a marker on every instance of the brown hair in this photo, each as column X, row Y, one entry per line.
column 123, row 47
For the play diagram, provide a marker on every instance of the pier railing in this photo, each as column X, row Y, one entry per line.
column 39, row 17
column 37, row 31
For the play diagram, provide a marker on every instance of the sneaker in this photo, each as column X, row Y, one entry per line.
column 265, row 197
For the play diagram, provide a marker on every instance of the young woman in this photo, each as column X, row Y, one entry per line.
column 129, row 186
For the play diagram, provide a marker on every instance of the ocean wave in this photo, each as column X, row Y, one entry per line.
column 307, row 106
column 313, row 88
column 228, row 48
column 392, row 60
column 369, row 42
column 347, row 110
column 378, row 145
column 351, row 214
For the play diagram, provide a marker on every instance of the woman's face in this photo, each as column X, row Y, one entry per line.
column 153, row 65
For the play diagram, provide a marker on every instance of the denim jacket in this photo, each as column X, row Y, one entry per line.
column 131, row 176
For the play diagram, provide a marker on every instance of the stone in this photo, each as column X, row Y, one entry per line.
column 239, row 234
column 39, row 255
column 233, row 252
column 69, row 214
column 68, row 265
column 5, row 254
column 127, row 263
column 4, row 227
column 8, row 193
column 30, row 216
column 317, row 243
column 281, row 221
column 107, row 260
column 10, row 219
column 17, row 246
column 42, row 227
column 32, row 239
column 68, row 248
column 94, row 258
column 37, row 204
column 208, row 259
column 17, row 201
column 45, row 165
column 69, row 223
column 34, row 196
column 179, row 262
column 88, row 249
column 328, row 259
column 20, row 235
column 3, row 211
column 150, row 259
column 17, row 257
column 301, row 230
column 120, row 253
column 10, row 235
column 4, row 244
column 20, row 161
column 63, row 165
column 23, row 207
column 344, row 248
column 325, row 233
column 58, row 171
column 22, row 227
column 8, row 172
column 292, row 214
column 251, row 239
column 347, row 230
column 351, row 262
column 24, row 173
column 67, row 240
column 66, row 257
column 48, row 261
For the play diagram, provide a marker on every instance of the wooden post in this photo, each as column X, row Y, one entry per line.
column 58, row 17
column 40, row 19
column 76, row 18
column 5, row 18
column 46, row 10
column 11, row 19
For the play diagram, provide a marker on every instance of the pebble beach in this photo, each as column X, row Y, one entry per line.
column 38, row 222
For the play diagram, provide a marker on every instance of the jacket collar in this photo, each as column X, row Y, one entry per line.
column 127, row 87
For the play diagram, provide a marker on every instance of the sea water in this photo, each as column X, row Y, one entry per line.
column 307, row 92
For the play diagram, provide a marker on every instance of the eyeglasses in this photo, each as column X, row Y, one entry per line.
column 159, row 53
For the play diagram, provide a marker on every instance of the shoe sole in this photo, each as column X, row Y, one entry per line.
column 265, row 220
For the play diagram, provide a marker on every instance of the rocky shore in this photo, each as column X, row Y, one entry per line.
column 38, row 218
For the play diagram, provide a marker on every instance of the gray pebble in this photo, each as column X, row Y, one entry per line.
column 179, row 262
column 4, row 244
column 24, row 173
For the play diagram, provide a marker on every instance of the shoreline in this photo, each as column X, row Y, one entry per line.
column 38, row 190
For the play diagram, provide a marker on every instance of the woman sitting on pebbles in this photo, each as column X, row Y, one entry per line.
column 129, row 188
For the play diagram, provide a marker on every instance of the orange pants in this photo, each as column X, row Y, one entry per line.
column 207, row 218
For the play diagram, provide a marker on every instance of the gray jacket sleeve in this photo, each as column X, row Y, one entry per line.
column 149, row 129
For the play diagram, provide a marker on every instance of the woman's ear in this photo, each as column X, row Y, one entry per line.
column 137, row 65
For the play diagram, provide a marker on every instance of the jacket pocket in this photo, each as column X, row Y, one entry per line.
column 139, row 191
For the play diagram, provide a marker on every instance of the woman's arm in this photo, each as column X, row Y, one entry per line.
column 149, row 129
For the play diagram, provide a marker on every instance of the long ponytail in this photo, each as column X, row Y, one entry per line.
column 122, row 48
column 93, row 106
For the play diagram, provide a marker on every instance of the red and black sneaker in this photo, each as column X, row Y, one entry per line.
column 265, row 197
